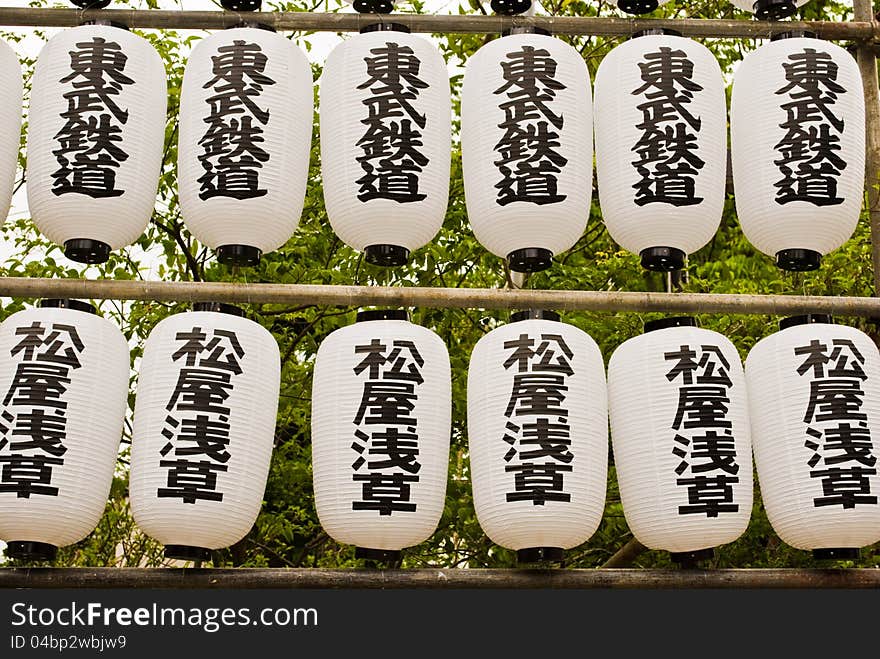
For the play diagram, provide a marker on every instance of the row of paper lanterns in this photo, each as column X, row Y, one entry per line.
column 97, row 120
column 685, row 421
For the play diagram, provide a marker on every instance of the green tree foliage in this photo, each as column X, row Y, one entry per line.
column 287, row 531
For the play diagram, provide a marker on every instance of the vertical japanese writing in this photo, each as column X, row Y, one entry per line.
column 89, row 152
column 33, row 423
column 386, row 440
column 392, row 158
column 232, row 153
column 809, row 162
column 704, row 440
column 197, row 423
column 837, row 430
column 529, row 160
column 667, row 160
column 537, row 427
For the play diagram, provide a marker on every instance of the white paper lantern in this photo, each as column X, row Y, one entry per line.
column 204, row 426
column 797, row 132
column 381, row 415
column 527, row 147
column 10, row 124
column 681, row 438
column 385, row 118
column 661, row 147
column 64, row 383
column 814, row 398
column 537, row 423
column 245, row 139
column 639, row 7
column 771, row 10
column 96, row 134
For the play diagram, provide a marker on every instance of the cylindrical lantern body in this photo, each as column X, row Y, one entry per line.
column 381, row 415
column 797, row 133
column 64, row 380
column 527, row 147
column 681, row 438
column 204, row 425
column 385, row 117
column 814, row 405
column 769, row 9
column 537, row 422
column 661, row 147
column 245, row 139
column 10, row 124
column 96, row 132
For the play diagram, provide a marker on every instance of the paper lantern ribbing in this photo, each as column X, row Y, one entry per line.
column 385, row 117
column 814, row 398
column 681, row 438
column 381, row 415
column 537, row 424
column 95, row 139
column 770, row 10
column 204, row 426
column 797, row 133
column 64, row 380
column 245, row 139
column 527, row 147
column 661, row 147
column 10, row 123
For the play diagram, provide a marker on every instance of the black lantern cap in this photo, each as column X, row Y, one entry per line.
column 793, row 34
column 531, row 259
column 798, row 260
column 806, row 319
column 31, row 551
column 524, row 29
column 219, row 307
column 837, row 554
column 84, row 250
column 510, row 7
column 774, row 10
column 691, row 559
column 540, row 555
column 662, row 259
column 377, row 554
column 530, row 314
column 384, row 27
column 638, row 6
column 187, row 553
column 386, row 255
column 239, row 255
column 656, row 31
column 672, row 321
column 65, row 303
column 381, row 314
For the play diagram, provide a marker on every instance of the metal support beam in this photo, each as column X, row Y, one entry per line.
column 316, row 578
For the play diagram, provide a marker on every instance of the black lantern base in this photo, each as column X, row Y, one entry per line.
column 384, row 555
column 837, row 554
column 240, row 5
column 540, row 555
column 91, row 4
column 386, row 255
column 510, row 7
column 373, row 6
column 690, row 559
column 31, row 551
column 531, row 259
column 662, row 259
column 774, row 10
column 638, row 6
column 219, row 307
column 240, row 255
column 84, row 250
column 187, row 553
column 798, row 260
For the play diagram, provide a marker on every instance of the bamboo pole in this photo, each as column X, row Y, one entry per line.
column 436, row 298
column 462, row 24
column 867, row 60
column 439, row 578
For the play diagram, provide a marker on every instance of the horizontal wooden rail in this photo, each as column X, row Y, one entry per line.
column 440, row 578
column 462, row 24
column 436, row 298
